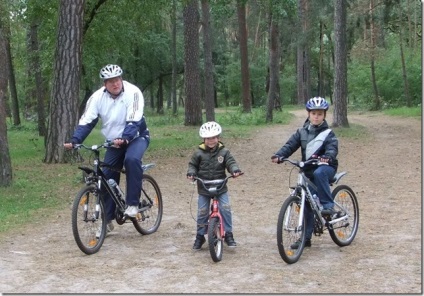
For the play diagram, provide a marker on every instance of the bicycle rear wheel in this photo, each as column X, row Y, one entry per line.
column 88, row 226
column 148, row 221
column 215, row 240
column 289, row 231
column 343, row 232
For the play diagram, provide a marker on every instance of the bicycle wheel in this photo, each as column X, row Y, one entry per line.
column 289, row 232
column 88, row 226
column 148, row 221
column 343, row 232
column 215, row 240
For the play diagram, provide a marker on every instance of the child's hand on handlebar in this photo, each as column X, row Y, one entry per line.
column 190, row 176
column 237, row 173
column 275, row 159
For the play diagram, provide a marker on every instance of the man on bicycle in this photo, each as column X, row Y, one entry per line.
column 120, row 105
column 316, row 140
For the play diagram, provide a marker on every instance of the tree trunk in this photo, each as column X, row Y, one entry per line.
column 174, row 58
column 373, row 46
column 303, row 68
column 245, row 76
column 207, row 49
column 159, row 109
column 5, row 162
column 321, row 78
column 66, row 82
column 274, row 73
column 193, row 110
column 35, row 70
column 340, row 65
column 404, row 72
column 12, row 81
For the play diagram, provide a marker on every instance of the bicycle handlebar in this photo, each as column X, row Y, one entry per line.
column 220, row 183
column 302, row 164
column 106, row 144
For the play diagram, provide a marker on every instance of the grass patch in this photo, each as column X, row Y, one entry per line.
column 354, row 131
column 404, row 112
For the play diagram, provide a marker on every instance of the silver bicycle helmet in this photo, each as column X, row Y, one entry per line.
column 110, row 71
column 210, row 129
column 317, row 103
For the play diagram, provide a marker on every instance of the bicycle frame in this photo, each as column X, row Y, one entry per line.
column 303, row 184
column 97, row 176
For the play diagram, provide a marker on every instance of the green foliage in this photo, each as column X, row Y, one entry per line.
column 390, row 84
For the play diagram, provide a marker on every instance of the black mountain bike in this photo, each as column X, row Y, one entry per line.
column 88, row 210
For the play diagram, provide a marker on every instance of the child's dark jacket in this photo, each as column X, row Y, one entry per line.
column 211, row 164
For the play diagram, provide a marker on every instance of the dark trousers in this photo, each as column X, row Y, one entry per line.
column 129, row 157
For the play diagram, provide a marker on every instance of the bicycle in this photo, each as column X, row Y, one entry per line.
column 342, row 226
column 215, row 227
column 88, row 210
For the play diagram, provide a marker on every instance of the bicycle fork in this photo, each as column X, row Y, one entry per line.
column 216, row 214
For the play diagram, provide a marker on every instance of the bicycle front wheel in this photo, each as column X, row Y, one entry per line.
column 148, row 221
column 215, row 240
column 88, row 220
column 343, row 232
column 290, row 235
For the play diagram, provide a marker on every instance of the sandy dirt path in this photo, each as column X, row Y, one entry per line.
column 386, row 256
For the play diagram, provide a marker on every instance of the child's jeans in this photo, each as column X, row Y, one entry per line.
column 321, row 178
column 203, row 209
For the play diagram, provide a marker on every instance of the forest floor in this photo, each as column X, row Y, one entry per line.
column 384, row 169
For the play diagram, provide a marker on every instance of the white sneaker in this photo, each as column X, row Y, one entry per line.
column 131, row 211
column 109, row 228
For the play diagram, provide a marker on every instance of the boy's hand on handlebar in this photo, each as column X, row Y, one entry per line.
column 275, row 159
column 190, row 176
column 323, row 158
column 237, row 173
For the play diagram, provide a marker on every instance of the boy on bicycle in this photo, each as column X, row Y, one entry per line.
column 316, row 141
column 209, row 162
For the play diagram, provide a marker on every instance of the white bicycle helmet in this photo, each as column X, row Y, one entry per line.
column 110, row 71
column 317, row 103
column 210, row 129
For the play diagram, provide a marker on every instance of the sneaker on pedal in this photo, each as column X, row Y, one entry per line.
column 296, row 244
column 328, row 212
column 198, row 243
column 229, row 240
column 131, row 211
column 109, row 228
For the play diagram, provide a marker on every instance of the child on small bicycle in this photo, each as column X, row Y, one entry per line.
column 209, row 162
column 316, row 140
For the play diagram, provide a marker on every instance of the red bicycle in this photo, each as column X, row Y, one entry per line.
column 216, row 232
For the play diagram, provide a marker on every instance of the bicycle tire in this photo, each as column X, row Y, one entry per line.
column 288, row 234
column 148, row 221
column 85, row 225
column 215, row 241
column 343, row 232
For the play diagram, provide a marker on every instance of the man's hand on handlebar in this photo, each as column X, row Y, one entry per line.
column 119, row 142
column 68, row 146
